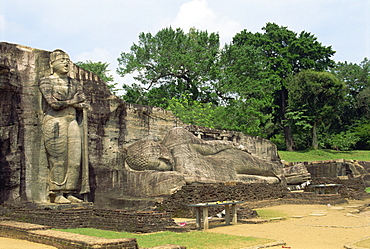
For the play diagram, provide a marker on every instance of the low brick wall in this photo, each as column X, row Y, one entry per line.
column 120, row 220
column 114, row 220
column 352, row 188
column 299, row 198
column 60, row 219
column 177, row 203
column 256, row 195
column 62, row 240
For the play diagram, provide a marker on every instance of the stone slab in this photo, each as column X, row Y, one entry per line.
column 253, row 221
column 54, row 206
column 23, row 225
column 85, row 239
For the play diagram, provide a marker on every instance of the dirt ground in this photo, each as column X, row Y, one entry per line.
column 310, row 226
column 6, row 243
column 306, row 227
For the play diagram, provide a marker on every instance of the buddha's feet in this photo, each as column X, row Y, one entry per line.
column 73, row 199
column 61, row 200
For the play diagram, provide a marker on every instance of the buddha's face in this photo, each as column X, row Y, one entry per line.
column 61, row 65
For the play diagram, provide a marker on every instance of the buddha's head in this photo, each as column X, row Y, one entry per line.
column 59, row 62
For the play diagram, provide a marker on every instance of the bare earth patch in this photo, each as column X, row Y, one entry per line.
column 321, row 227
column 6, row 243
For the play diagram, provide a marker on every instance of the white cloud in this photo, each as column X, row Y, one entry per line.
column 194, row 13
column 198, row 14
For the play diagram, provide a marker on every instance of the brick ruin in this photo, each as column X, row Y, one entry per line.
column 257, row 195
column 113, row 220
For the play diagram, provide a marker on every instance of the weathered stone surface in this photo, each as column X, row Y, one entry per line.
column 112, row 126
column 193, row 160
column 215, row 160
column 154, row 183
column 148, row 155
column 64, row 130
column 18, row 120
column 23, row 160
column 337, row 168
column 296, row 174
column 256, row 146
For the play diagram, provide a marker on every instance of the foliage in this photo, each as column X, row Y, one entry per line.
column 323, row 154
column 362, row 131
column 193, row 112
column 343, row 141
column 194, row 239
column 356, row 105
column 177, row 62
column 101, row 69
column 357, row 79
column 243, row 84
column 218, row 117
column 190, row 75
column 286, row 53
column 134, row 94
column 318, row 96
column 270, row 83
column 279, row 141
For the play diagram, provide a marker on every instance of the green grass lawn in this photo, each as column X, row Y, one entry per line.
column 321, row 155
column 194, row 239
column 269, row 213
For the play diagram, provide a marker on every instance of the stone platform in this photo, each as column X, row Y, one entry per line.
column 54, row 206
column 44, row 235
column 65, row 216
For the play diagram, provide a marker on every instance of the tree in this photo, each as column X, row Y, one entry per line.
column 245, row 89
column 173, row 63
column 357, row 79
column 318, row 95
column 356, row 112
column 194, row 112
column 101, row 69
column 286, row 53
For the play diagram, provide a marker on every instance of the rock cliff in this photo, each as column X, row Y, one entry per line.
column 113, row 125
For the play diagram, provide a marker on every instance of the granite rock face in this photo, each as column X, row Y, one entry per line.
column 113, row 129
column 215, row 160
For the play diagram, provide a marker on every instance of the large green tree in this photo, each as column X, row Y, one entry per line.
column 356, row 112
column 246, row 90
column 171, row 63
column 318, row 96
column 357, row 79
column 286, row 53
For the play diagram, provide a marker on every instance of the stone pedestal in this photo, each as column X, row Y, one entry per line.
column 54, row 206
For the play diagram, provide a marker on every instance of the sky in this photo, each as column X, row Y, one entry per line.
column 100, row 30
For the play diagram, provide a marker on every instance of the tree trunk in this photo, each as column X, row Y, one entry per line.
column 315, row 143
column 289, row 143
